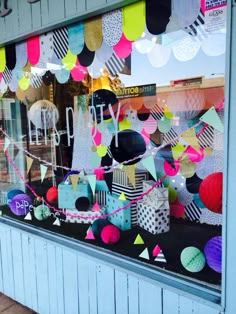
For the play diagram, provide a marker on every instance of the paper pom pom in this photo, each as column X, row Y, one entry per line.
column 192, row 259
column 21, row 204
column 12, row 194
column 52, row 195
column 98, row 225
column 110, row 234
column 213, row 253
column 210, row 192
column 42, row 212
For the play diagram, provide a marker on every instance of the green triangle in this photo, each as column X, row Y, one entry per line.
column 149, row 164
column 212, row 118
column 145, row 254
column 138, row 240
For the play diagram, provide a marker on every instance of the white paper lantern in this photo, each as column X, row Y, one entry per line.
column 43, row 114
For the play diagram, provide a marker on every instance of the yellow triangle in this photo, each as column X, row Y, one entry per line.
column 190, row 137
column 74, row 180
column 138, row 240
column 29, row 162
column 122, row 197
column 130, row 171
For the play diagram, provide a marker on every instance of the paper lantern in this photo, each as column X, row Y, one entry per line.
column 192, row 259
column 42, row 212
column 52, row 195
column 44, row 114
column 213, row 253
column 98, row 225
column 110, row 234
column 21, row 204
column 210, row 192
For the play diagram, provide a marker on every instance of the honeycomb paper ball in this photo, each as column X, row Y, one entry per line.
column 42, row 212
column 192, row 259
column 110, row 234
column 213, row 253
column 21, row 204
column 98, row 225
column 12, row 194
column 210, row 192
column 52, row 195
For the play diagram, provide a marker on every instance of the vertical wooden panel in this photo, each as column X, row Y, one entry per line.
column 42, row 276
column 70, row 7
column 31, row 271
column 56, row 10
column 199, row 308
column 60, row 282
column 12, row 20
column 36, row 14
column 70, row 282
column 3, row 32
column 93, row 298
column 4, row 262
column 25, row 19
column 45, row 12
column 83, row 283
column 133, row 293
column 185, row 305
column 81, row 6
column 106, row 289
column 170, row 302
column 121, row 296
column 1, row 270
column 147, row 294
column 10, row 274
column 52, row 278
column 17, row 260
column 95, row 3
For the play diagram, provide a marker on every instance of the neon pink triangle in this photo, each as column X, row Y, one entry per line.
column 96, row 207
column 156, row 250
column 33, row 49
column 90, row 235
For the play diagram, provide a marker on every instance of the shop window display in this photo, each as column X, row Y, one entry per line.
column 112, row 133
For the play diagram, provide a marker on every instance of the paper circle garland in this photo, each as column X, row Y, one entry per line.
column 52, row 195
column 213, row 253
column 192, row 259
column 210, row 192
column 21, row 204
column 42, row 212
column 110, row 234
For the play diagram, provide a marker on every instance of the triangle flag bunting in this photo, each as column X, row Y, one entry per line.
column 138, row 240
column 92, row 181
column 57, row 222
column 189, row 136
column 145, row 254
column 96, row 207
column 160, row 257
column 43, row 170
column 7, row 143
column 149, row 164
column 156, row 250
column 28, row 216
column 122, row 197
column 90, row 235
column 130, row 171
column 74, row 180
column 29, row 162
column 212, row 118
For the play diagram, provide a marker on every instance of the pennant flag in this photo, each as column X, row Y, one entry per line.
column 96, row 207
column 92, row 181
column 189, row 136
column 7, row 143
column 160, row 257
column 149, row 164
column 57, row 222
column 28, row 216
column 138, row 240
column 43, row 170
column 130, row 171
column 145, row 254
column 88, row 230
column 81, row 175
column 178, row 150
column 29, row 162
column 74, row 180
column 211, row 117
column 90, row 235
column 122, row 197
column 156, row 250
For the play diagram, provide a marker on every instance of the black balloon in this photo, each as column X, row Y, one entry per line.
column 82, row 203
column 131, row 144
column 193, row 184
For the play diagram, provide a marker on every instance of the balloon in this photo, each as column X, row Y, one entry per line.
column 42, row 113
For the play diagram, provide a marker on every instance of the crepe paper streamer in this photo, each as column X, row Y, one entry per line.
column 57, row 222
column 29, row 162
column 79, row 72
column 76, row 37
column 156, row 250
column 170, row 170
column 6, row 143
column 2, row 59
column 24, row 83
column 212, row 118
column 172, row 196
column 164, row 125
column 145, row 254
column 186, row 49
column 122, row 197
column 60, row 42
column 189, row 136
column 90, row 235
column 186, row 11
column 134, row 20
column 124, row 47
column 96, row 207
column 43, row 171
column 21, row 54
column 92, row 181
column 86, row 57
column 112, row 27
column 10, row 56
column 102, row 150
column 104, row 53
column 150, row 125
column 46, row 47
column 214, row 45
column 149, row 164
column 192, row 259
column 62, row 76
column 138, row 240
column 28, row 216
column 93, row 33
column 157, row 15
column 69, row 60
column 33, row 50
column 187, row 168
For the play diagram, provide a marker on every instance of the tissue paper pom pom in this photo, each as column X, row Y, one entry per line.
column 210, row 192
column 52, row 195
column 110, row 234
column 213, row 253
column 192, row 259
column 12, row 194
column 98, row 225
column 42, row 212
column 21, row 204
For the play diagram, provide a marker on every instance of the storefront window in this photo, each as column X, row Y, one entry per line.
column 112, row 133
